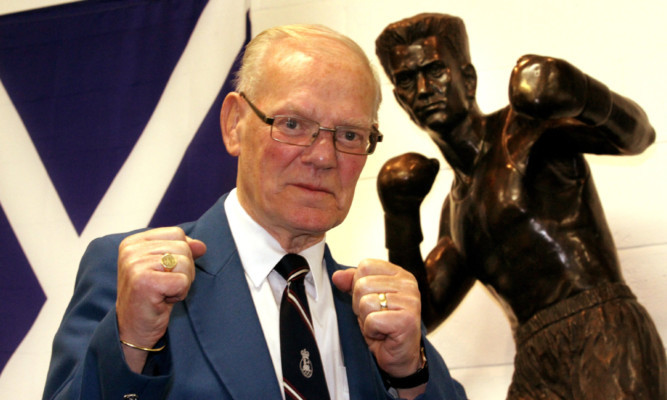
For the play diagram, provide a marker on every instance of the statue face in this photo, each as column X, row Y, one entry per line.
column 428, row 84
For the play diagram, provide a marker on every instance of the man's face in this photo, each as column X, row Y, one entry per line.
column 292, row 190
column 428, row 84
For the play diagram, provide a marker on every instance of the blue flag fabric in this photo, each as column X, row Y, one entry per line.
column 85, row 79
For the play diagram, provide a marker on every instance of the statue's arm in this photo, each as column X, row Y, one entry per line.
column 448, row 275
column 443, row 278
column 552, row 89
column 402, row 184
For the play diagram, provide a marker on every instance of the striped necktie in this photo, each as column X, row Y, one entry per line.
column 303, row 375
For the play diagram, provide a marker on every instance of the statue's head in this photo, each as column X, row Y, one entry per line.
column 426, row 57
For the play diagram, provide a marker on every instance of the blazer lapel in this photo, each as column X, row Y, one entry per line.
column 223, row 314
column 363, row 379
column 225, row 321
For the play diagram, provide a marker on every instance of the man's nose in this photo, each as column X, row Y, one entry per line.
column 322, row 151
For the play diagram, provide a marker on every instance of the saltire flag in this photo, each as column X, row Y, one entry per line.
column 109, row 121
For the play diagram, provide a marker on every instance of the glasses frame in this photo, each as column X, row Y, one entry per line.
column 373, row 139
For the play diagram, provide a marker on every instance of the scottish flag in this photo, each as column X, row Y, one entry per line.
column 109, row 121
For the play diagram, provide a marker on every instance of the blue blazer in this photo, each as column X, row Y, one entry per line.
column 215, row 344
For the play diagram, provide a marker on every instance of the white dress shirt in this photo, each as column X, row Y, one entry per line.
column 259, row 253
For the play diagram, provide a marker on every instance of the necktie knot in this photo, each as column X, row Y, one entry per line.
column 292, row 266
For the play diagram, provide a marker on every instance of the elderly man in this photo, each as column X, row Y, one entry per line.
column 198, row 311
column 523, row 216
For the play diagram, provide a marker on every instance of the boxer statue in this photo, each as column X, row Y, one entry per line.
column 522, row 216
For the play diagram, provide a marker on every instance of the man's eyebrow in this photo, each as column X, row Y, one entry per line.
column 289, row 109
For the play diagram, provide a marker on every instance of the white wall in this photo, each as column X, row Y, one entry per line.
column 619, row 43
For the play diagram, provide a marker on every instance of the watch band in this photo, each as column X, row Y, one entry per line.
column 418, row 378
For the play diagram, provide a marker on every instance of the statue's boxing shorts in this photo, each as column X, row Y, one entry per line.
column 598, row 344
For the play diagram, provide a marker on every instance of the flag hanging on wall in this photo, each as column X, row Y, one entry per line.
column 109, row 121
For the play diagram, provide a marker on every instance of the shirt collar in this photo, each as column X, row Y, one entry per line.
column 260, row 252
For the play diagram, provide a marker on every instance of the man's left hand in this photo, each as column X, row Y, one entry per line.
column 393, row 333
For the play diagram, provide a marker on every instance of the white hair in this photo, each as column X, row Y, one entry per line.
column 309, row 38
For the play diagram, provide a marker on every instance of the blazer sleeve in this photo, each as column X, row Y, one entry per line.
column 87, row 360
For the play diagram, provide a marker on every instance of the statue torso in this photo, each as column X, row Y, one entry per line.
column 529, row 223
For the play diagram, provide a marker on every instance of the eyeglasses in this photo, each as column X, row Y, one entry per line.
column 298, row 131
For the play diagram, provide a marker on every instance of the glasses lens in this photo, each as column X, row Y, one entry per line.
column 293, row 130
column 351, row 139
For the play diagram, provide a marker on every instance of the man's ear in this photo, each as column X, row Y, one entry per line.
column 470, row 80
column 230, row 115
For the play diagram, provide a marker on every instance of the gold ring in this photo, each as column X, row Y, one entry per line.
column 383, row 301
column 168, row 262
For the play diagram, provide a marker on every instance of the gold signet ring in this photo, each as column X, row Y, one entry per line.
column 168, row 261
column 383, row 301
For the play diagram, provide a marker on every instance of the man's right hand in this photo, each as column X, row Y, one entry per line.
column 146, row 291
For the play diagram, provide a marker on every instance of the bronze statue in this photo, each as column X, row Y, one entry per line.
column 523, row 216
